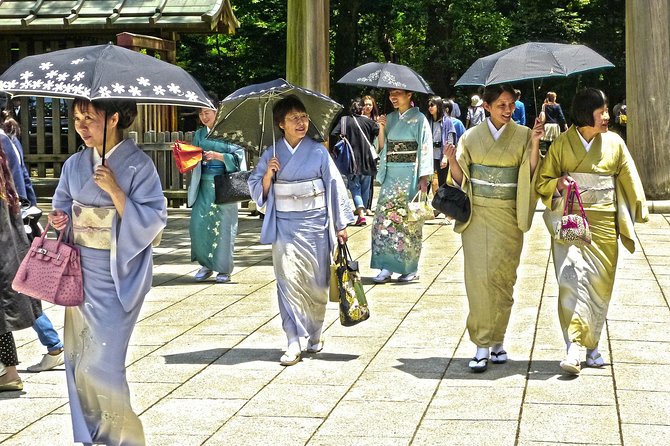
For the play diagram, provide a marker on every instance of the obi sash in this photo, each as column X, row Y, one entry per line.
column 494, row 182
column 401, row 151
column 92, row 226
column 595, row 189
column 300, row 195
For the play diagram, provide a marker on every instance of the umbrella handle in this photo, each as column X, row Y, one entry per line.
column 104, row 140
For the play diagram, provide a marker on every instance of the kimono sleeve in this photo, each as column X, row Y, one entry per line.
column 550, row 172
column 631, row 201
column 526, row 193
column 425, row 140
column 337, row 199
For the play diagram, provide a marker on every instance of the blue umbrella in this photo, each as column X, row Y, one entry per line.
column 386, row 75
column 245, row 116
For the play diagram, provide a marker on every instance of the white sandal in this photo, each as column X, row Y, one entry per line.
column 315, row 348
column 288, row 359
column 571, row 366
column 594, row 360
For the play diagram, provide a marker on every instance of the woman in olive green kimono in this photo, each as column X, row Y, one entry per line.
column 611, row 191
column 495, row 165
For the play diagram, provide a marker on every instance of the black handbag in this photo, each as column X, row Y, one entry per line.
column 353, row 304
column 452, row 202
column 231, row 187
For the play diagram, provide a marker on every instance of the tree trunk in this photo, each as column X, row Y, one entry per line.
column 307, row 48
column 648, row 96
column 346, row 44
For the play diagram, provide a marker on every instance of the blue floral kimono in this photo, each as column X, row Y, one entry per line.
column 213, row 227
column 115, row 283
column 302, row 241
column 396, row 242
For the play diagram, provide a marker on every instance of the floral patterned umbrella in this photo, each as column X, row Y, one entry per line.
column 386, row 75
column 103, row 72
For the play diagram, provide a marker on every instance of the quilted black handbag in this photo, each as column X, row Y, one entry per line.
column 231, row 187
column 452, row 202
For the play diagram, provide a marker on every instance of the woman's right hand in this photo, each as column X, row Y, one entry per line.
column 58, row 219
column 273, row 167
column 449, row 151
column 564, row 182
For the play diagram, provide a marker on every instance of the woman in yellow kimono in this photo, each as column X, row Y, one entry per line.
column 495, row 165
column 611, row 190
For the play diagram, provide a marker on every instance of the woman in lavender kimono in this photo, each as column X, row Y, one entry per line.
column 406, row 165
column 307, row 212
column 114, row 208
column 213, row 227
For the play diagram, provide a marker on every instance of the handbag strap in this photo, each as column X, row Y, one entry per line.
column 573, row 192
column 362, row 132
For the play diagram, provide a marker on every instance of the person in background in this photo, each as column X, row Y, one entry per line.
column 46, row 333
column 113, row 205
column 554, row 120
column 444, row 133
column 495, row 164
column 213, row 227
column 459, row 128
column 360, row 132
column 519, row 115
column 406, row 166
column 307, row 213
column 598, row 161
column 371, row 111
column 17, row 311
column 455, row 109
column 476, row 113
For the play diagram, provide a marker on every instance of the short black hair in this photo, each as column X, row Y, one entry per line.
column 284, row 107
column 127, row 110
column 493, row 92
column 356, row 107
column 448, row 107
column 584, row 104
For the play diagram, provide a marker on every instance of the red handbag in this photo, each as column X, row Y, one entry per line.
column 51, row 271
column 186, row 156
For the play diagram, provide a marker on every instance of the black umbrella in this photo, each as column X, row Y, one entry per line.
column 245, row 116
column 532, row 60
column 103, row 72
column 386, row 75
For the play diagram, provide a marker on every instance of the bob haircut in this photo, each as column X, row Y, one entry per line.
column 356, row 107
column 127, row 110
column 284, row 107
column 493, row 92
column 584, row 104
column 439, row 103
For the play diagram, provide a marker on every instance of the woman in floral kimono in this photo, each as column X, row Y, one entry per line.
column 495, row 165
column 611, row 191
column 213, row 227
column 114, row 207
column 406, row 166
column 307, row 212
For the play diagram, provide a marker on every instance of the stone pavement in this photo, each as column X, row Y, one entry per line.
column 203, row 361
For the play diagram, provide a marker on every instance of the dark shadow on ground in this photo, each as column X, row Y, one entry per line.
column 233, row 356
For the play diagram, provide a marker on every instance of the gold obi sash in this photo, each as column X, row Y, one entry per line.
column 401, row 151
column 300, row 195
column 494, row 182
column 595, row 189
column 92, row 226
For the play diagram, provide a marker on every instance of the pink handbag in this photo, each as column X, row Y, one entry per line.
column 574, row 228
column 51, row 271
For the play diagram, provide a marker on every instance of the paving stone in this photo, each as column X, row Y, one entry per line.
column 390, row 418
column 177, row 417
column 475, row 403
column 644, row 434
column 434, row 432
column 254, row 431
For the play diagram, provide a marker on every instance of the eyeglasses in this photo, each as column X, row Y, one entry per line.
column 295, row 119
column 431, row 105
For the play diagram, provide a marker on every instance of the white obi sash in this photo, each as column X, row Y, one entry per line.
column 92, row 226
column 300, row 195
column 594, row 188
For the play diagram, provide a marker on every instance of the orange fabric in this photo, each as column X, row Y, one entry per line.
column 186, row 156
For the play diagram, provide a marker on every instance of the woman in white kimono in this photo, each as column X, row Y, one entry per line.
column 613, row 198
column 495, row 165
column 212, row 227
column 405, row 167
column 307, row 212
column 114, row 208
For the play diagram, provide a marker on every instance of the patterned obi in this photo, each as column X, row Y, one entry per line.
column 494, row 182
column 595, row 189
column 401, row 151
column 92, row 226
column 300, row 195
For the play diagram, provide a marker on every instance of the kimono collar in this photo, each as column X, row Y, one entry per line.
column 97, row 159
column 290, row 148
column 494, row 131
column 587, row 145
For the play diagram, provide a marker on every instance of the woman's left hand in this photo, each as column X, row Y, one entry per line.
column 342, row 236
column 212, row 155
column 104, row 178
column 538, row 129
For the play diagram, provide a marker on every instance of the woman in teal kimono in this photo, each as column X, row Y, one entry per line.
column 406, row 166
column 611, row 191
column 213, row 227
column 307, row 213
column 114, row 208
